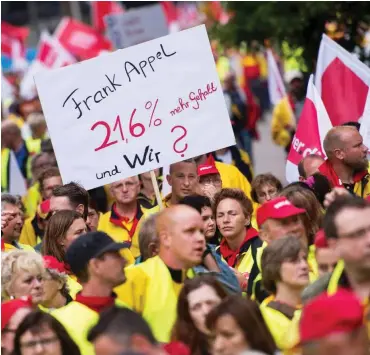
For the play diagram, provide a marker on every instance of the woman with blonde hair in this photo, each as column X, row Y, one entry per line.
column 56, row 290
column 22, row 275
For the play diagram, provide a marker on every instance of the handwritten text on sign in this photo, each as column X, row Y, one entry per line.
column 136, row 109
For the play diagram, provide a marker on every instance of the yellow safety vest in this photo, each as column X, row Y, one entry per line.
column 279, row 319
column 78, row 319
column 151, row 291
column 5, row 157
column 161, row 299
column 32, row 199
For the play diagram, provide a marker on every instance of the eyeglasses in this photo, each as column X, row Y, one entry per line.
column 42, row 342
column 210, row 180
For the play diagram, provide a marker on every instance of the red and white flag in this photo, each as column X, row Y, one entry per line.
column 275, row 81
column 13, row 45
column 313, row 125
column 188, row 15
column 102, row 8
column 11, row 34
column 50, row 55
column 342, row 81
column 80, row 39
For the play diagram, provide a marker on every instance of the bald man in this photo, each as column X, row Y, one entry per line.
column 122, row 220
column 152, row 287
column 347, row 164
column 11, row 140
column 309, row 165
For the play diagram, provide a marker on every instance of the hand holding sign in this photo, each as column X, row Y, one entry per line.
column 136, row 109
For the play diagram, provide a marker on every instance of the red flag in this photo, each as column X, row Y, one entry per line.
column 312, row 127
column 101, row 9
column 170, row 11
column 79, row 38
column 11, row 35
column 342, row 81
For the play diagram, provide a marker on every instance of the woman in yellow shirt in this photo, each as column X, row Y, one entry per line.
column 285, row 273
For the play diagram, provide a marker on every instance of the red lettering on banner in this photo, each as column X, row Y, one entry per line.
column 195, row 98
column 202, row 95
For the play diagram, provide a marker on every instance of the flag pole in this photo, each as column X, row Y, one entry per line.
column 156, row 190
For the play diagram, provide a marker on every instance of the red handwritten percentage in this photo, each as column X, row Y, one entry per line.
column 136, row 129
column 148, row 106
column 106, row 142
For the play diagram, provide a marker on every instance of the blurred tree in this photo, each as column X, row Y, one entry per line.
column 301, row 24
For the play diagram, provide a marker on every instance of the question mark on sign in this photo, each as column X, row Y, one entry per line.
column 179, row 139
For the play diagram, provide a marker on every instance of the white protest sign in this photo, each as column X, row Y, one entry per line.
column 136, row 109
column 136, row 26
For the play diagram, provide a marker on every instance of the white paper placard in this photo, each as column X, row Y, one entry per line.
column 136, row 26
column 136, row 109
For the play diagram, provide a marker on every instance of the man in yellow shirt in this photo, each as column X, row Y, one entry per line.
column 12, row 141
column 33, row 229
column 152, row 287
column 96, row 260
column 122, row 220
column 70, row 196
column 11, row 230
column 230, row 175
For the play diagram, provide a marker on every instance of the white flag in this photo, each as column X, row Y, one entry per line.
column 17, row 183
column 275, row 81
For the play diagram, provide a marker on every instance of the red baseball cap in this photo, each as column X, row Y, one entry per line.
column 277, row 208
column 52, row 263
column 207, row 169
column 320, row 240
column 328, row 314
column 9, row 308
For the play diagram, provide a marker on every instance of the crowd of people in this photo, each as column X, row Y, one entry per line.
column 232, row 264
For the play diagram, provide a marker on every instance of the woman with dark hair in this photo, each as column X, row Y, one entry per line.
column 237, row 325
column 63, row 228
column 197, row 298
column 41, row 329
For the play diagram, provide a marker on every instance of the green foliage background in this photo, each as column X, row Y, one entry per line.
column 301, row 24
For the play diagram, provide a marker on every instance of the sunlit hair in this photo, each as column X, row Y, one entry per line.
column 14, row 263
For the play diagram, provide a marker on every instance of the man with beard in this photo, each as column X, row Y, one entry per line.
column 285, row 116
column 347, row 164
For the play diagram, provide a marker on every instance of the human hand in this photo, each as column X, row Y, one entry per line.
column 333, row 195
column 5, row 219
